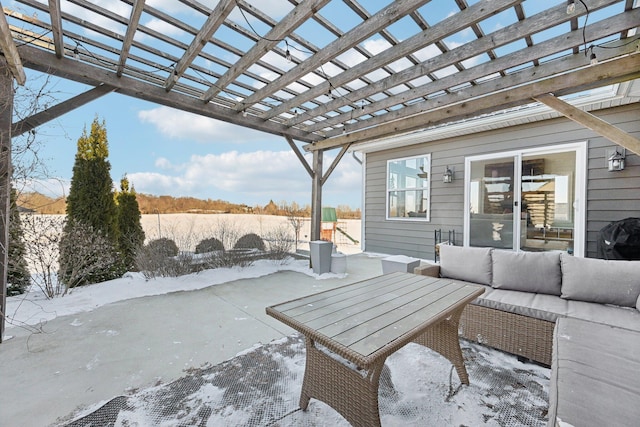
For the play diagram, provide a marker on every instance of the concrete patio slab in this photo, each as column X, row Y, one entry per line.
column 83, row 359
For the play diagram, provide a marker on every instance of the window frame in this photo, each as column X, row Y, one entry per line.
column 426, row 189
column 580, row 149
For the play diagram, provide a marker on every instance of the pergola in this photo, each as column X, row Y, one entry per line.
column 323, row 74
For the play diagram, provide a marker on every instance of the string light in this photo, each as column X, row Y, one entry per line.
column 287, row 53
column 571, row 7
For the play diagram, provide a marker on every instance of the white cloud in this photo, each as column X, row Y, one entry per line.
column 182, row 125
column 375, row 46
column 114, row 6
column 162, row 27
column 173, row 7
column 249, row 177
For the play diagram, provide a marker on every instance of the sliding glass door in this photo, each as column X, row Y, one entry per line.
column 526, row 200
column 492, row 203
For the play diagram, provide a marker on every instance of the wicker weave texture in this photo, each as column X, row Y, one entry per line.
column 352, row 393
column 523, row 336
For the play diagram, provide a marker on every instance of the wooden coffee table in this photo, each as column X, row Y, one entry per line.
column 351, row 330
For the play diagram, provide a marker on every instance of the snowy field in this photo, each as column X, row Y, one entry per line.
column 188, row 229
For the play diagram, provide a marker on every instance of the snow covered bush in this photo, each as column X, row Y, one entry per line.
column 42, row 235
column 209, row 245
column 86, row 256
column 159, row 258
column 250, row 241
column 279, row 242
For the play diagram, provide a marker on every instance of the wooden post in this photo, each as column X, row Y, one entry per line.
column 316, row 195
column 6, row 112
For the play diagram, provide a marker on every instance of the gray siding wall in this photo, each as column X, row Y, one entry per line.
column 611, row 196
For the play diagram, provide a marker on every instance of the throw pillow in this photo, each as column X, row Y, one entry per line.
column 537, row 272
column 464, row 263
column 602, row 281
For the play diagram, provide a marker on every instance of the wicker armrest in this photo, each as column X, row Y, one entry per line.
column 431, row 270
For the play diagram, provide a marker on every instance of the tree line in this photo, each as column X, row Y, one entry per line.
column 150, row 204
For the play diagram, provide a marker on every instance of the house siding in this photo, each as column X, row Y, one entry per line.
column 611, row 196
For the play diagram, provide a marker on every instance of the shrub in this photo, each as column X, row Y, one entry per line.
column 86, row 256
column 42, row 239
column 159, row 258
column 280, row 243
column 250, row 241
column 209, row 245
column 163, row 246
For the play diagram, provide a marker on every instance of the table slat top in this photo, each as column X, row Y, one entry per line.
column 361, row 321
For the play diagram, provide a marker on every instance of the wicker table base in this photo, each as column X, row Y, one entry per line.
column 351, row 330
column 353, row 392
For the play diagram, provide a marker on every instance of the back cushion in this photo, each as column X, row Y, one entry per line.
column 462, row 263
column 598, row 280
column 537, row 272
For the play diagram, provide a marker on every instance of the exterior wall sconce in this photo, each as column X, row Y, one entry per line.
column 616, row 160
column 447, row 176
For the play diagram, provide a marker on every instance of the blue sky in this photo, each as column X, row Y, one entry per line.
column 169, row 152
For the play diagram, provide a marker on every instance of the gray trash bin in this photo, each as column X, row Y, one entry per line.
column 321, row 256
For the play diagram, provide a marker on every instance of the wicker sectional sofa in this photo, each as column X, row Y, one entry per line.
column 578, row 315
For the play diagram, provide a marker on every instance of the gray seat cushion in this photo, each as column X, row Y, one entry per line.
column 465, row 263
column 597, row 280
column 595, row 376
column 551, row 307
column 537, row 272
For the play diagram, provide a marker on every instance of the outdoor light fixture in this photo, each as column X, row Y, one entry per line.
column 616, row 160
column 447, row 176
column 571, row 7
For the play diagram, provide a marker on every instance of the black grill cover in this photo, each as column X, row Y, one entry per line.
column 620, row 240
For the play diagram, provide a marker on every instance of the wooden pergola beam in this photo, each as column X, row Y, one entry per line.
column 43, row 61
column 6, row 113
column 501, row 37
column 391, row 13
column 602, row 74
column 10, row 51
column 32, row 122
column 214, row 21
column 439, row 31
column 588, row 120
column 56, row 27
column 292, row 20
column 134, row 20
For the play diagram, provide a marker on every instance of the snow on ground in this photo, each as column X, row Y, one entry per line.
column 33, row 307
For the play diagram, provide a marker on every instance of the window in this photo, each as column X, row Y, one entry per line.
column 408, row 188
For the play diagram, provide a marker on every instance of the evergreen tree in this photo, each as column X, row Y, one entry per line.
column 91, row 198
column 130, row 232
column 18, row 277
column 90, row 206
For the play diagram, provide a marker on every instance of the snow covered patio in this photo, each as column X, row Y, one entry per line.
column 204, row 343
